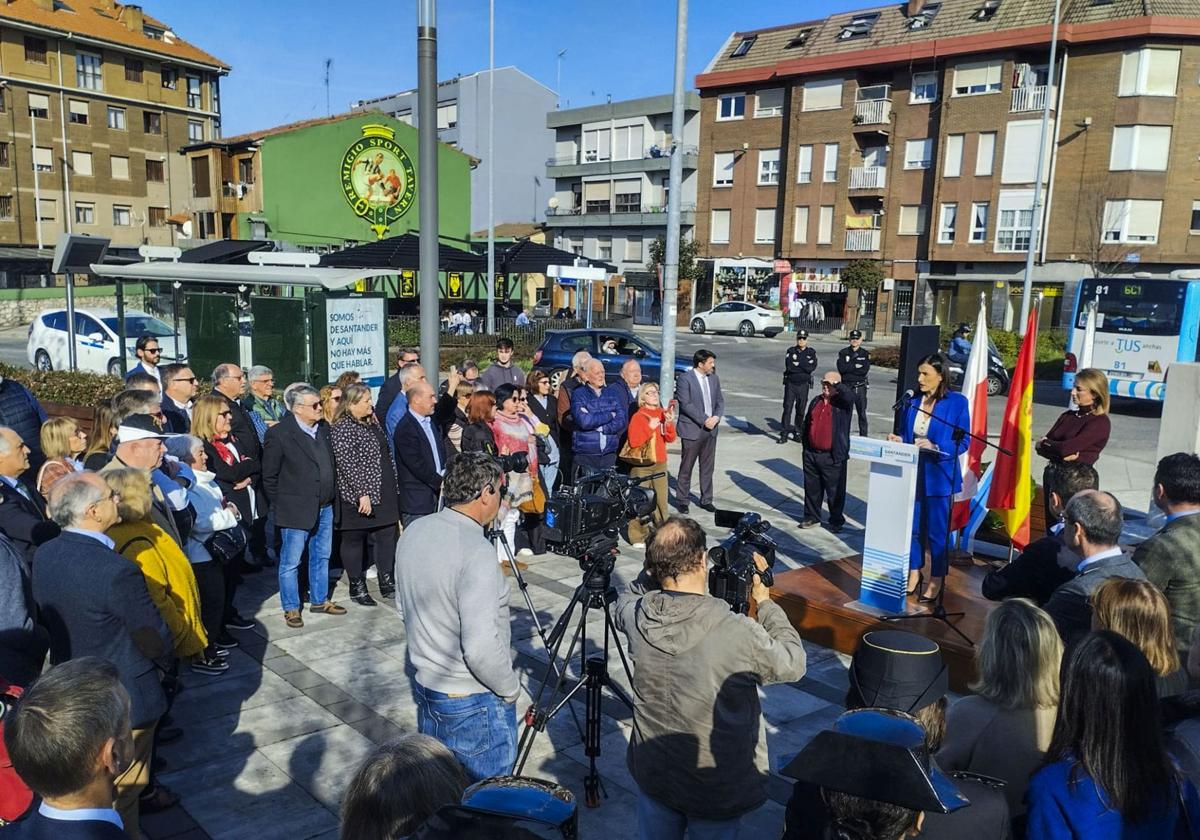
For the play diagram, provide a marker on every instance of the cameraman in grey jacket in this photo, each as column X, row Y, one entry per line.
column 698, row 751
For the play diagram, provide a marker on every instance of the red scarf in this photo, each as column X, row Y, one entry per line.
column 222, row 446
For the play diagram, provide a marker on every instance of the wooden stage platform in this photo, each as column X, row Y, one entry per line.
column 815, row 599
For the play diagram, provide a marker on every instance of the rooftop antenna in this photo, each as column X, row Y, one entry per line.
column 328, row 70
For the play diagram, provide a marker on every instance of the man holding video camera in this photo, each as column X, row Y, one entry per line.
column 698, row 751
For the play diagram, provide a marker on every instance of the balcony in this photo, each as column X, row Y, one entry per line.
column 862, row 240
column 652, row 159
column 1030, row 98
column 873, row 105
column 647, row 216
column 868, row 177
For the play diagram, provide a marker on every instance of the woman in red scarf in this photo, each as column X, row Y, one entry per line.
column 651, row 423
column 513, row 432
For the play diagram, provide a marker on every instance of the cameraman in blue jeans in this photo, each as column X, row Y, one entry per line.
column 455, row 607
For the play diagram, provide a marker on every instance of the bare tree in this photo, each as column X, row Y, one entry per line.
column 1101, row 224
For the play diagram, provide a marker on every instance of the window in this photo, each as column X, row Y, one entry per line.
column 829, row 175
column 731, row 106
column 768, row 167
column 986, row 153
column 1142, row 148
column 1149, row 72
column 404, row 116
column 1016, row 218
column 979, row 220
column 798, row 40
column 152, row 122
column 918, row 154
column 1195, row 226
column 156, row 217
column 35, row 50
column 804, row 165
column 597, row 197
column 85, row 213
column 43, row 159
column 604, row 247
column 1132, row 221
column 88, row 70
column 122, row 215
column 81, row 163
column 447, row 115
column 924, row 88
column 120, row 168
column 597, row 145
column 39, row 106
column 769, row 103
column 986, row 11
column 858, row 26
column 764, row 225
column 822, row 95
column 48, row 210
column 825, row 224
column 973, row 78
column 923, row 18
column 947, row 223
column 719, row 234
column 4, row 159
column 800, row 226
column 743, row 46
column 627, row 143
column 628, row 195
column 952, row 166
column 912, row 219
column 6, row 207
column 633, row 249
column 1020, row 152
column 193, row 91
column 79, row 111
column 195, row 131
column 155, row 171
column 133, row 70
column 116, row 118
column 170, row 77
column 723, row 169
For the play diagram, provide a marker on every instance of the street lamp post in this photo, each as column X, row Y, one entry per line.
column 670, row 289
column 427, row 186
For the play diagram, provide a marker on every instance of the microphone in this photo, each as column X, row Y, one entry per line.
column 908, row 395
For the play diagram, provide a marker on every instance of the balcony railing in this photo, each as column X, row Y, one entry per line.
column 873, row 112
column 862, row 240
column 686, row 207
column 592, row 156
column 1029, row 98
column 868, row 177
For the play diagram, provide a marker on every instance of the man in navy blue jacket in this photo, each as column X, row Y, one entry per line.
column 600, row 417
column 94, row 602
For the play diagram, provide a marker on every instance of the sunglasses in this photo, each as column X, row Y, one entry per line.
column 152, row 350
column 224, row 413
column 828, row 384
column 184, row 379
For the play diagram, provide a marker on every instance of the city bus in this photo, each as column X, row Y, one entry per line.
column 1142, row 327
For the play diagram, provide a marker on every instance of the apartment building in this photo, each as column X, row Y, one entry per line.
column 909, row 134
column 96, row 98
column 521, row 144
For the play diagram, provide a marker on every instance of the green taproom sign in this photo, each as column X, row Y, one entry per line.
column 378, row 178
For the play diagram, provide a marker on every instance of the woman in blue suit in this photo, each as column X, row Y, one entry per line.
column 938, row 476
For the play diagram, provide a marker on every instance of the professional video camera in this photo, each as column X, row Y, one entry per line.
column 733, row 568
column 582, row 519
column 516, row 462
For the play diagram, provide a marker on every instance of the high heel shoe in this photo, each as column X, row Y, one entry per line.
column 929, row 599
column 920, row 582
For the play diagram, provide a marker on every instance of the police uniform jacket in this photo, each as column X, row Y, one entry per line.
column 798, row 365
column 853, row 365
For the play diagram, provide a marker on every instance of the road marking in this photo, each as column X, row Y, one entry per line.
column 749, row 395
column 740, row 340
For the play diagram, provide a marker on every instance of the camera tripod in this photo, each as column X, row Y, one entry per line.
column 596, row 592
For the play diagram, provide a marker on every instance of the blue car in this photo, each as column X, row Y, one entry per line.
column 612, row 347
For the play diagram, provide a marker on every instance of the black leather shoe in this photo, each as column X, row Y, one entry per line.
column 684, row 509
column 359, row 593
column 708, row 506
column 783, row 439
column 387, row 585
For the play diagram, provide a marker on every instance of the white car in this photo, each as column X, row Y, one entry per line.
column 96, row 345
column 739, row 317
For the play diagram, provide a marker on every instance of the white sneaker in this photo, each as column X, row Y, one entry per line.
column 372, row 573
column 637, row 545
column 525, row 552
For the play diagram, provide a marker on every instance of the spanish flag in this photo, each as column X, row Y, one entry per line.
column 1012, row 487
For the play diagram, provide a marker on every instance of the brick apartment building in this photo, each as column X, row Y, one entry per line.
column 111, row 95
column 909, row 134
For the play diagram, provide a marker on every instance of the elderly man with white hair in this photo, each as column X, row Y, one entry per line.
column 599, row 417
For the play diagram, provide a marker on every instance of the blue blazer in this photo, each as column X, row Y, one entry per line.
column 37, row 826
column 938, row 475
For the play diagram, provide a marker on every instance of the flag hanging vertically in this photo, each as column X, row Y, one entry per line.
column 974, row 388
column 1011, row 494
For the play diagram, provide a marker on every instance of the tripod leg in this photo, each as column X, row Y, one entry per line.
column 597, row 675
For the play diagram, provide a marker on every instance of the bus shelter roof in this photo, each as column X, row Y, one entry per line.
column 329, row 279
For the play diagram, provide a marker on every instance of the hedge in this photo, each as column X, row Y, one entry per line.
column 1048, row 358
column 65, row 386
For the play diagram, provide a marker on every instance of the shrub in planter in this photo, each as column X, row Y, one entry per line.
column 64, row 386
column 886, row 357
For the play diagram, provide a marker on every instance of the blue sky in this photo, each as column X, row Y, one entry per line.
column 621, row 47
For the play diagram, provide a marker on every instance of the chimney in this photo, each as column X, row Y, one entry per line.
column 914, row 7
column 134, row 18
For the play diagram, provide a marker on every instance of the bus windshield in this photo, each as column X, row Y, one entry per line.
column 1125, row 306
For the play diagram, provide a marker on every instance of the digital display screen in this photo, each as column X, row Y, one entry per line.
column 1131, row 290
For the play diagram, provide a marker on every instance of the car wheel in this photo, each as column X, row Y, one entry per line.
column 557, row 377
column 41, row 360
column 745, row 328
column 994, row 385
column 770, row 333
column 114, row 367
column 698, row 326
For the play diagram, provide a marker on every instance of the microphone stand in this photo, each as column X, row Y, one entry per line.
column 938, row 611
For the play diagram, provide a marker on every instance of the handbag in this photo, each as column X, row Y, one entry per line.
column 638, row 456
column 536, row 503
column 227, row 545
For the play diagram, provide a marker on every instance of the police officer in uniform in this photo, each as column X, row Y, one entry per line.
column 853, row 364
column 798, row 365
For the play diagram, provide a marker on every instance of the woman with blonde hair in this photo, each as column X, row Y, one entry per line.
column 350, row 377
column 454, row 429
column 1004, row 729
column 1079, row 434
column 104, row 429
column 651, row 424
column 1138, row 610
column 63, row 443
column 331, row 398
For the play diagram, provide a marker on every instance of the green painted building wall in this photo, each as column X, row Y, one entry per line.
column 303, row 201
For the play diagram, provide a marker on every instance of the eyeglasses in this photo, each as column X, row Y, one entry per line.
column 316, row 404
column 152, row 350
column 224, row 413
column 184, row 379
column 828, row 384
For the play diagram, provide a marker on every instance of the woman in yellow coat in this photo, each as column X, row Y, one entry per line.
column 169, row 577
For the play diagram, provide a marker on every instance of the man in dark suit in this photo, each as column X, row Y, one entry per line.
column 825, row 433
column 22, row 510
column 1171, row 558
column 1091, row 527
column 1046, row 563
column 148, row 352
column 299, row 479
column 69, row 741
column 392, row 386
column 94, row 602
column 701, row 405
column 420, row 455
column 229, row 383
column 179, row 389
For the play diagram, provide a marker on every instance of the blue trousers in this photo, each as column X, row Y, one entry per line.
column 930, row 515
column 319, row 539
column 480, row 729
column 659, row 822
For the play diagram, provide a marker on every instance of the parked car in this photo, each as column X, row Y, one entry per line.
column 741, row 317
column 96, row 345
column 998, row 378
column 612, row 347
